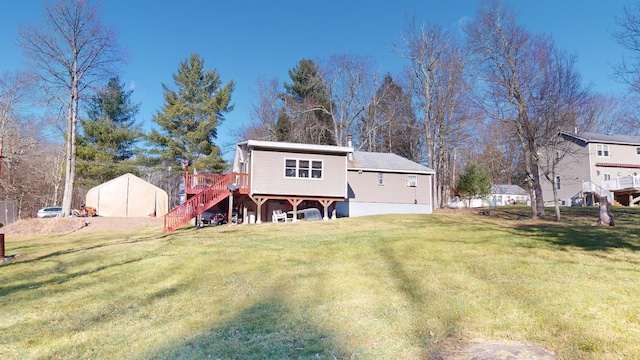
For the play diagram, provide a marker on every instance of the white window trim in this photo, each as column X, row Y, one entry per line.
column 414, row 180
column 297, row 168
column 380, row 179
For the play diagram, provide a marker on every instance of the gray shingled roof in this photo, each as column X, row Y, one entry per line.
column 508, row 189
column 386, row 162
column 604, row 138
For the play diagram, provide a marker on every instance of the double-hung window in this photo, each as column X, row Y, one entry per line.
column 602, row 150
column 412, row 180
column 303, row 168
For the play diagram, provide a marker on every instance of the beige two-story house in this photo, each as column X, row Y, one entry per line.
column 597, row 165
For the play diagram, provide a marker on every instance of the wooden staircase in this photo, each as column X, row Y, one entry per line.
column 198, row 203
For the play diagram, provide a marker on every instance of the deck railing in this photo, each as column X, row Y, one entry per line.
column 591, row 187
column 205, row 198
column 625, row 182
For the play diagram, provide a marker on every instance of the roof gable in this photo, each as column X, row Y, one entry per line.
column 590, row 137
column 508, row 189
column 385, row 162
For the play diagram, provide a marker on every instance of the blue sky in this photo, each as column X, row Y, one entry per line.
column 246, row 40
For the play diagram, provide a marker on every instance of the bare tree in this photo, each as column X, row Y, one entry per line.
column 496, row 148
column 70, row 53
column 559, row 101
column 436, row 71
column 629, row 37
column 351, row 84
column 264, row 112
column 510, row 66
column 611, row 114
column 14, row 88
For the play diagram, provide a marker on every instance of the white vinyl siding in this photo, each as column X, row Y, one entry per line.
column 272, row 174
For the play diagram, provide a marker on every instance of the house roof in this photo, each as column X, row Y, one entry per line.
column 508, row 189
column 385, row 162
column 274, row 145
column 590, row 137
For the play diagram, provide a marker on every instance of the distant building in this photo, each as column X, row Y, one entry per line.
column 597, row 165
column 505, row 194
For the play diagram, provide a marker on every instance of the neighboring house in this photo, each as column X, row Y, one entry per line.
column 128, row 196
column 384, row 183
column 501, row 195
column 271, row 178
column 596, row 165
column 504, row 194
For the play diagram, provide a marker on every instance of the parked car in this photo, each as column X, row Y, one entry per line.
column 209, row 218
column 49, row 212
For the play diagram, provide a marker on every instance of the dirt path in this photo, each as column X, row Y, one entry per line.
column 73, row 224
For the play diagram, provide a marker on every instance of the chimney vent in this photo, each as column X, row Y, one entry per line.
column 350, row 144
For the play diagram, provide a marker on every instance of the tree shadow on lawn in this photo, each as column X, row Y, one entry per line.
column 408, row 283
column 60, row 279
column 586, row 237
column 269, row 329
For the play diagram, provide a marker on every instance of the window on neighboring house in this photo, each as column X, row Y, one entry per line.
column 557, row 157
column 303, row 168
column 412, row 180
column 558, row 182
column 607, row 177
column 638, row 150
column 603, row 150
column 380, row 179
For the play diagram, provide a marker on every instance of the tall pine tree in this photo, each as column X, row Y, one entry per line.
column 189, row 118
column 307, row 104
column 109, row 133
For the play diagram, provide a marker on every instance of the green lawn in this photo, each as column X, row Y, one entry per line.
column 384, row 287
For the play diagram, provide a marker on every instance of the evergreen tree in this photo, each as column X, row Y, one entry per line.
column 389, row 124
column 108, row 135
column 190, row 116
column 473, row 183
column 308, row 105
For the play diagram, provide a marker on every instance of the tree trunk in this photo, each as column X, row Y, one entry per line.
column 555, row 198
column 605, row 216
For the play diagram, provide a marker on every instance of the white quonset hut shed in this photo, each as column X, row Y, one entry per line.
column 128, row 196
